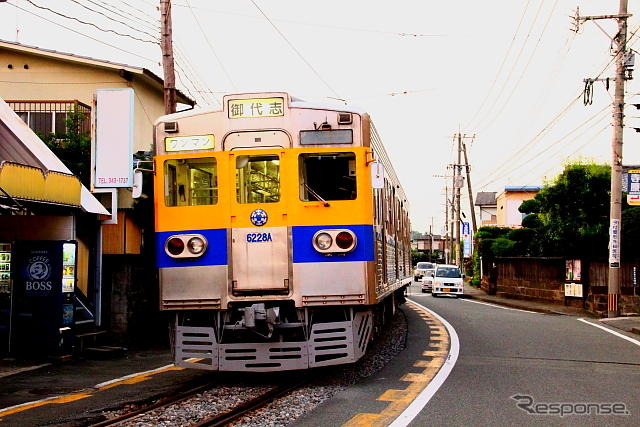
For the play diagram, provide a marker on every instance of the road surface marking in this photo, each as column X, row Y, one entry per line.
column 499, row 306
column 72, row 397
column 618, row 334
column 436, row 356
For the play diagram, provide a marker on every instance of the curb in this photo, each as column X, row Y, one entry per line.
column 526, row 307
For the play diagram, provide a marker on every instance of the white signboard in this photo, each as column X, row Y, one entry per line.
column 573, row 290
column 614, row 243
column 114, row 138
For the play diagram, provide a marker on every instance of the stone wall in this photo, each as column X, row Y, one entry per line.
column 535, row 279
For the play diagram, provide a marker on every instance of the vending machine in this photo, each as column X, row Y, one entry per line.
column 43, row 298
column 5, row 297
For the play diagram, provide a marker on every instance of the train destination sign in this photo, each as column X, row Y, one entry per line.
column 189, row 143
column 255, row 107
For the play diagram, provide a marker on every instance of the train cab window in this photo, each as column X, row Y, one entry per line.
column 258, row 179
column 327, row 176
column 190, row 182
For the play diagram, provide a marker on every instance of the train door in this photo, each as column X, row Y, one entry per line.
column 260, row 243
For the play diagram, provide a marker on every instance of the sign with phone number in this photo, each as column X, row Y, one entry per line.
column 189, row 143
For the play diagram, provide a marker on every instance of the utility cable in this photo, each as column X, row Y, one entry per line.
column 514, row 65
column 524, row 70
column 515, row 167
column 155, row 61
column 153, row 37
column 213, row 51
column 504, row 60
column 91, row 24
column 295, row 50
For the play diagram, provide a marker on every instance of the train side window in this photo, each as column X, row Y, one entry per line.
column 190, row 182
column 258, row 179
column 327, row 176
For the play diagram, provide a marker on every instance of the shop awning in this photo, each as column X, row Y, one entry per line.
column 24, row 182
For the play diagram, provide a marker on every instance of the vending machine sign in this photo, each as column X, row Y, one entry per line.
column 37, row 273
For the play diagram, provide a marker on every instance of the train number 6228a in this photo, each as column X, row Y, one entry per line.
column 259, row 237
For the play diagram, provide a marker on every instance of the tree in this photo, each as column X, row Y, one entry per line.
column 574, row 212
column 72, row 146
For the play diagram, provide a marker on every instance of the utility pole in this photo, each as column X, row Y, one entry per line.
column 166, row 44
column 468, row 168
column 446, row 224
column 623, row 72
column 458, row 184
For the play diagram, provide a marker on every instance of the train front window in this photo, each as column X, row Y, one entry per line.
column 327, row 176
column 190, row 182
column 258, row 179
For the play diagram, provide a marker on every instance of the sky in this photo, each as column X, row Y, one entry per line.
column 506, row 74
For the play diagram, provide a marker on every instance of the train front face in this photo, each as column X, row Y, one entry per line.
column 266, row 254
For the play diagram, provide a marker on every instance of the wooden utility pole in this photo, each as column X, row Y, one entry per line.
column 166, row 44
column 615, row 212
column 471, row 206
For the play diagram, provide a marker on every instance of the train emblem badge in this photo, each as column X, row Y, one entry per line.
column 259, row 217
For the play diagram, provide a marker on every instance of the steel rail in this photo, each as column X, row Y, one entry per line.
column 251, row 405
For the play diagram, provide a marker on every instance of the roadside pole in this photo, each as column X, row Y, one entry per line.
column 615, row 212
column 170, row 97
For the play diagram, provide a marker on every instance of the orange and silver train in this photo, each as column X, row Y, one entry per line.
column 282, row 233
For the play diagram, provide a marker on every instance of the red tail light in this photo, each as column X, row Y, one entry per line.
column 175, row 246
column 344, row 240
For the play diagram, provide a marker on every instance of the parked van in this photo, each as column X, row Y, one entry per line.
column 447, row 280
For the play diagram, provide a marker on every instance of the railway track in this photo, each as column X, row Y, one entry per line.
column 251, row 405
column 225, row 417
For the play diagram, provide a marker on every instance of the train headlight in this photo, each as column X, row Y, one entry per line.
column 323, row 241
column 185, row 245
column 339, row 241
column 196, row 245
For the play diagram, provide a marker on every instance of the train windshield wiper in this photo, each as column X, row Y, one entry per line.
column 316, row 195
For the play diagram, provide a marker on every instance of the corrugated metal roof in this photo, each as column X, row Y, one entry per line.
column 29, row 150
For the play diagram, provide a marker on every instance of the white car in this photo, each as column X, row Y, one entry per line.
column 447, row 280
column 421, row 268
column 426, row 282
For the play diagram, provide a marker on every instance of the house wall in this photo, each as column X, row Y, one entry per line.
column 507, row 207
column 48, row 79
column 488, row 215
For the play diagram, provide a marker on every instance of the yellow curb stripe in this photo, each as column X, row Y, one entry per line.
column 132, row 379
column 399, row 400
column 57, row 400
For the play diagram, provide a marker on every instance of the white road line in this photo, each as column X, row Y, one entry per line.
column 425, row 396
column 618, row 334
column 499, row 306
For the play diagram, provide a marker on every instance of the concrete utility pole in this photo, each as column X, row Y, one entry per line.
column 468, row 168
column 458, row 184
column 446, row 225
column 166, row 44
column 615, row 214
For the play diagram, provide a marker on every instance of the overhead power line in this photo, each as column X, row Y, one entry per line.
column 295, row 50
column 107, row 30
column 153, row 37
column 83, row 35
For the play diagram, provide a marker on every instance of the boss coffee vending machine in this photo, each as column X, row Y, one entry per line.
column 43, row 298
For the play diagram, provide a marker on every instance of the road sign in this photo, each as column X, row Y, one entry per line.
column 633, row 181
column 633, row 199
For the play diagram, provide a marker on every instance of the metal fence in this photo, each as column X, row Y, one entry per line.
column 47, row 117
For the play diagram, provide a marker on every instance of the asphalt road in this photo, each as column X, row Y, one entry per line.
column 545, row 359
